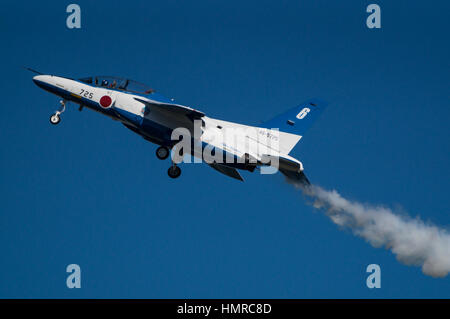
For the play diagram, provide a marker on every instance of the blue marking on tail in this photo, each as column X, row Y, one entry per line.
column 298, row 119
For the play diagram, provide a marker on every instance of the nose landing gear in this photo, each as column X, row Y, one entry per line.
column 55, row 118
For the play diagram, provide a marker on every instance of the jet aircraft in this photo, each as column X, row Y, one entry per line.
column 156, row 118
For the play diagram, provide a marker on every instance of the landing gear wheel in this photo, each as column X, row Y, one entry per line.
column 162, row 152
column 55, row 119
column 174, row 171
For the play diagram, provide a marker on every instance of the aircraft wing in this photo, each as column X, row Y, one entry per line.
column 175, row 108
column 229, row 171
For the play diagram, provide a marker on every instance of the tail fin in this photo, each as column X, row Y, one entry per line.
column 296, row 121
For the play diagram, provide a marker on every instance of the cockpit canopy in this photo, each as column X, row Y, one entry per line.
column 117, row 83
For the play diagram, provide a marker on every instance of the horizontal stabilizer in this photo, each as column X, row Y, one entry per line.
column 283, row 162
column 296, row 177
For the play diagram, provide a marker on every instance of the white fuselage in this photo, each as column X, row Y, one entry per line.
column 158, row 124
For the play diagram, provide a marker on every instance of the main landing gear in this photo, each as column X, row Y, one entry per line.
column 162, row 153
column 174, row 171
column 55, row 118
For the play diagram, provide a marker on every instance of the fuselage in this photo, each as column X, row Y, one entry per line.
column 117, row 101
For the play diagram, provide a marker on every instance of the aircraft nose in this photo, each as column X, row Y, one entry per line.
column 41, row 80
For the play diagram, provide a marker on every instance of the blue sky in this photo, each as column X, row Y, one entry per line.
column 91, row 192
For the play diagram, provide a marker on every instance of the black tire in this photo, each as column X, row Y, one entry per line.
column 174, row 171
column 55, row 119
column 162, row 152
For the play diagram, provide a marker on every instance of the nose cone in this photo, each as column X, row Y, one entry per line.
column 41, row 80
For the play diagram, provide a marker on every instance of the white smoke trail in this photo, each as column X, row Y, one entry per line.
column 411, row 240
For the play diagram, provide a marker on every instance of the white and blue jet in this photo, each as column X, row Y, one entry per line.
column 225, row 146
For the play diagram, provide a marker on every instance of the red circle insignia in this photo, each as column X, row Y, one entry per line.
column 105, row 101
